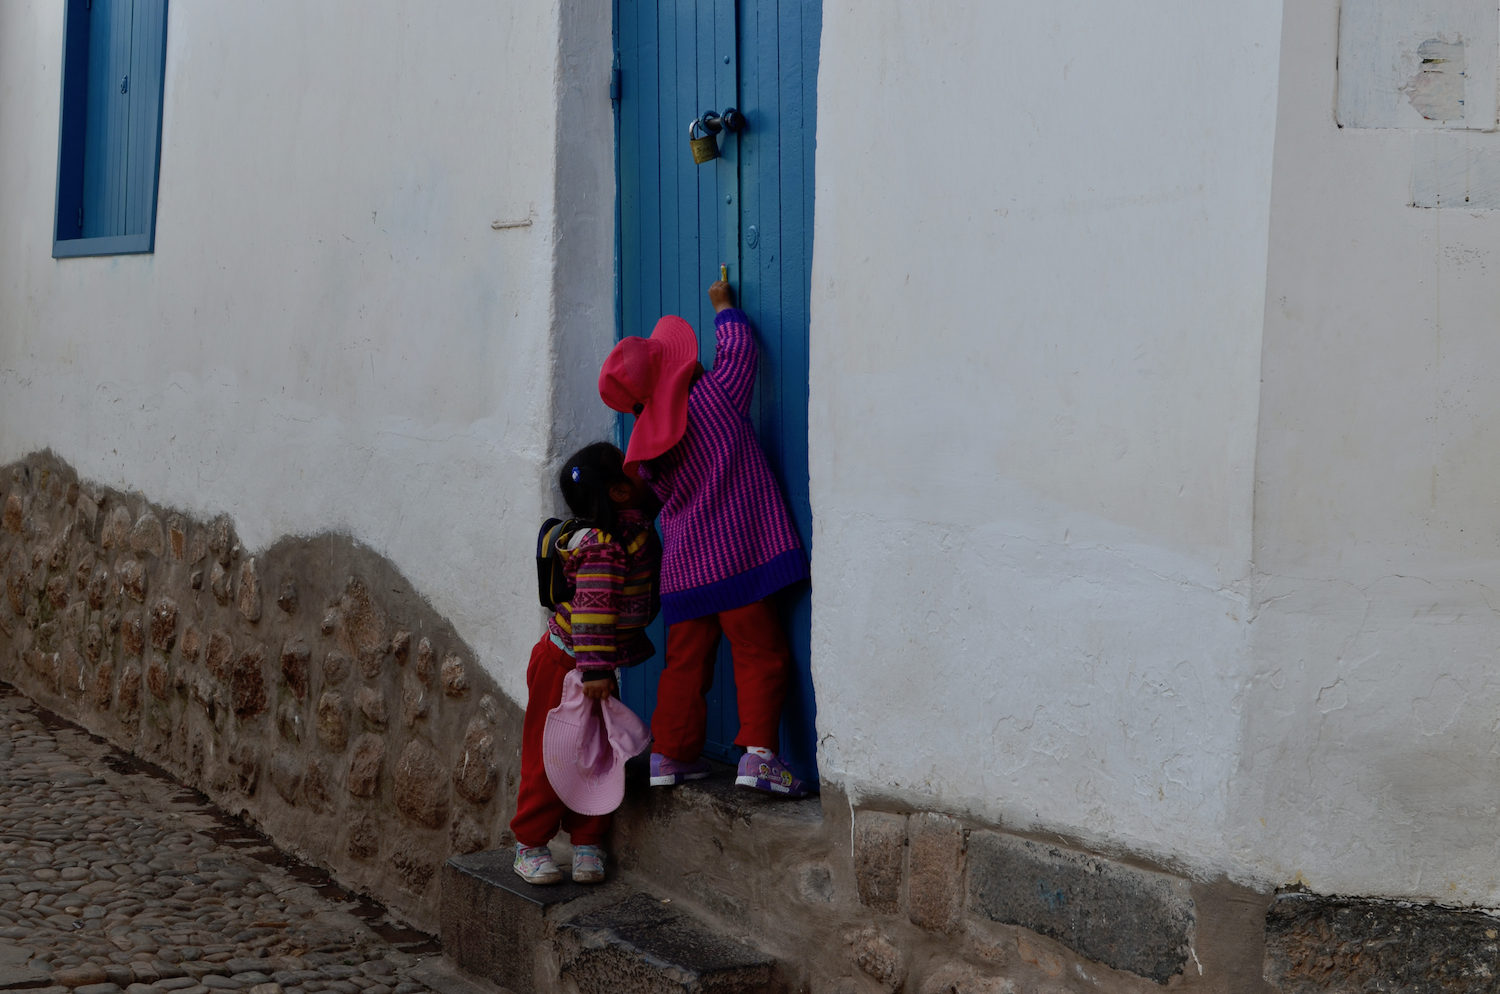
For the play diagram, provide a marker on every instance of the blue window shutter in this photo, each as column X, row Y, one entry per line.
column 108, row 132
column 148, row 51
column 110, row 144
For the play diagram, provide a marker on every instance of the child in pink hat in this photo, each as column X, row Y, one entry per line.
column 610, row 565
column 728, row 541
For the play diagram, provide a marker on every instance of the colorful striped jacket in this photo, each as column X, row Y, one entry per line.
column 728, row 539
column 614, row 594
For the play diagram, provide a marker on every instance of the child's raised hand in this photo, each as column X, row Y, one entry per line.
column 598, row 690
column 721, row 295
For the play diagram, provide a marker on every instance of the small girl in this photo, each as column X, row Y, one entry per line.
column 611, row 566
column 729, row 540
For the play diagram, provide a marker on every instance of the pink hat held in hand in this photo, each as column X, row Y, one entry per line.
column 585, row 744
column 650, row 378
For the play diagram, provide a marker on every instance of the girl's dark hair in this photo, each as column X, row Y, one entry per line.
column 585, row 481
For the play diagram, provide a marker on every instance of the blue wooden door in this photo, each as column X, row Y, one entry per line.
column 750, row 209
column 126, row 49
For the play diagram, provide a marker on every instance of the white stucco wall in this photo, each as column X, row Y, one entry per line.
column 330, row 335
column 1040, row 260
column 1370, row 734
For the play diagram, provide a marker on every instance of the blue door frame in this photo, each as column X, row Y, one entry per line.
column 752, row 210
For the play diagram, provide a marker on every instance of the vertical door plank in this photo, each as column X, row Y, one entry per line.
column 107, row 134
column 147, row 56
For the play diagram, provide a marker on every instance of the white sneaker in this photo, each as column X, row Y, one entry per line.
column 588, row 865
column 534, row 864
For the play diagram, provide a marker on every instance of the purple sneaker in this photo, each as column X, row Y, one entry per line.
column 668, row 772
column 770, row 775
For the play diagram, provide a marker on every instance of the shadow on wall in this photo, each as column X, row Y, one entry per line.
column 309, row 688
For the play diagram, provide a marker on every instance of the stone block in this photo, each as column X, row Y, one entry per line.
column 491, row 926
column 333, row 721
column 244, row 760
column 286, row 776
column 164, row 624
column 426, row 662
column 1122, row 916
column 101, row 690
column 401, row 646
column 248, row 686
column 15, row 588
column 99, row 587
column 455, row 678
column 294, row 659
column 192, row 642
column 1316, row 944
column 88, row 515
column 14, row 513
column 287, row 599
column 132, row 576
column 157, row 679
column 364, row 765
column 221, row 540
column 218, row 582
column 414, row 861
column 116, row 527
column 935, row 872
column 146, row 535
column 364, row 838
column 336, row 668
column 219, row 653
column 289, row 722
column 131, row 635
column 422, row 787
column 57, row 592
column 177, row 536
column 315, row 786
column 879, row 856
column 466, row 835
column 130, row 689
column 878, row 958
column 57, row 552
column 414, row 706
column 371, row 704
column 477, row 772
column 249, row 598
column 72, row 678
column 361, row 625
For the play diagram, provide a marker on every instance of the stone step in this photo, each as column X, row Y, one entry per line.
column 740, row 857
column 608, row 938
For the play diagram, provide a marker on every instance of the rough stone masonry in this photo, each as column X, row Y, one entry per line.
column 306, row 687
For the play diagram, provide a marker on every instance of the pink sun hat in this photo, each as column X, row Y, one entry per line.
column 650, row 378
column 585, row 744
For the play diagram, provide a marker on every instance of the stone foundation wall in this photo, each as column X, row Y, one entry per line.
column 306, row 687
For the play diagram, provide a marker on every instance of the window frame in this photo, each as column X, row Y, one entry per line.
column 71, row 142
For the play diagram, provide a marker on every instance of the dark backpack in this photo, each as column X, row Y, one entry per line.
column 552, row 585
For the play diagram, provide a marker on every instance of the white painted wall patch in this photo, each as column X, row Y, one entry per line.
column 1460, row 171
column 1418, row 64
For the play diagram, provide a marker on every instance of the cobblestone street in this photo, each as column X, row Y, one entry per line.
column 115, row 878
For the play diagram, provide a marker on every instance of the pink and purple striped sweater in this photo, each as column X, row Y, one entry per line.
column 727, row 539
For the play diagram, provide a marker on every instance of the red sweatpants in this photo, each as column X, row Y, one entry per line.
column 539, row 811
column 762, row 667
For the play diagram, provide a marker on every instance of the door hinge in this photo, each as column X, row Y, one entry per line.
column 124, row 84
column 614, row 84
column 80, row 217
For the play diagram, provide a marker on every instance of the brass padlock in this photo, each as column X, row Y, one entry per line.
column 705, row 149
